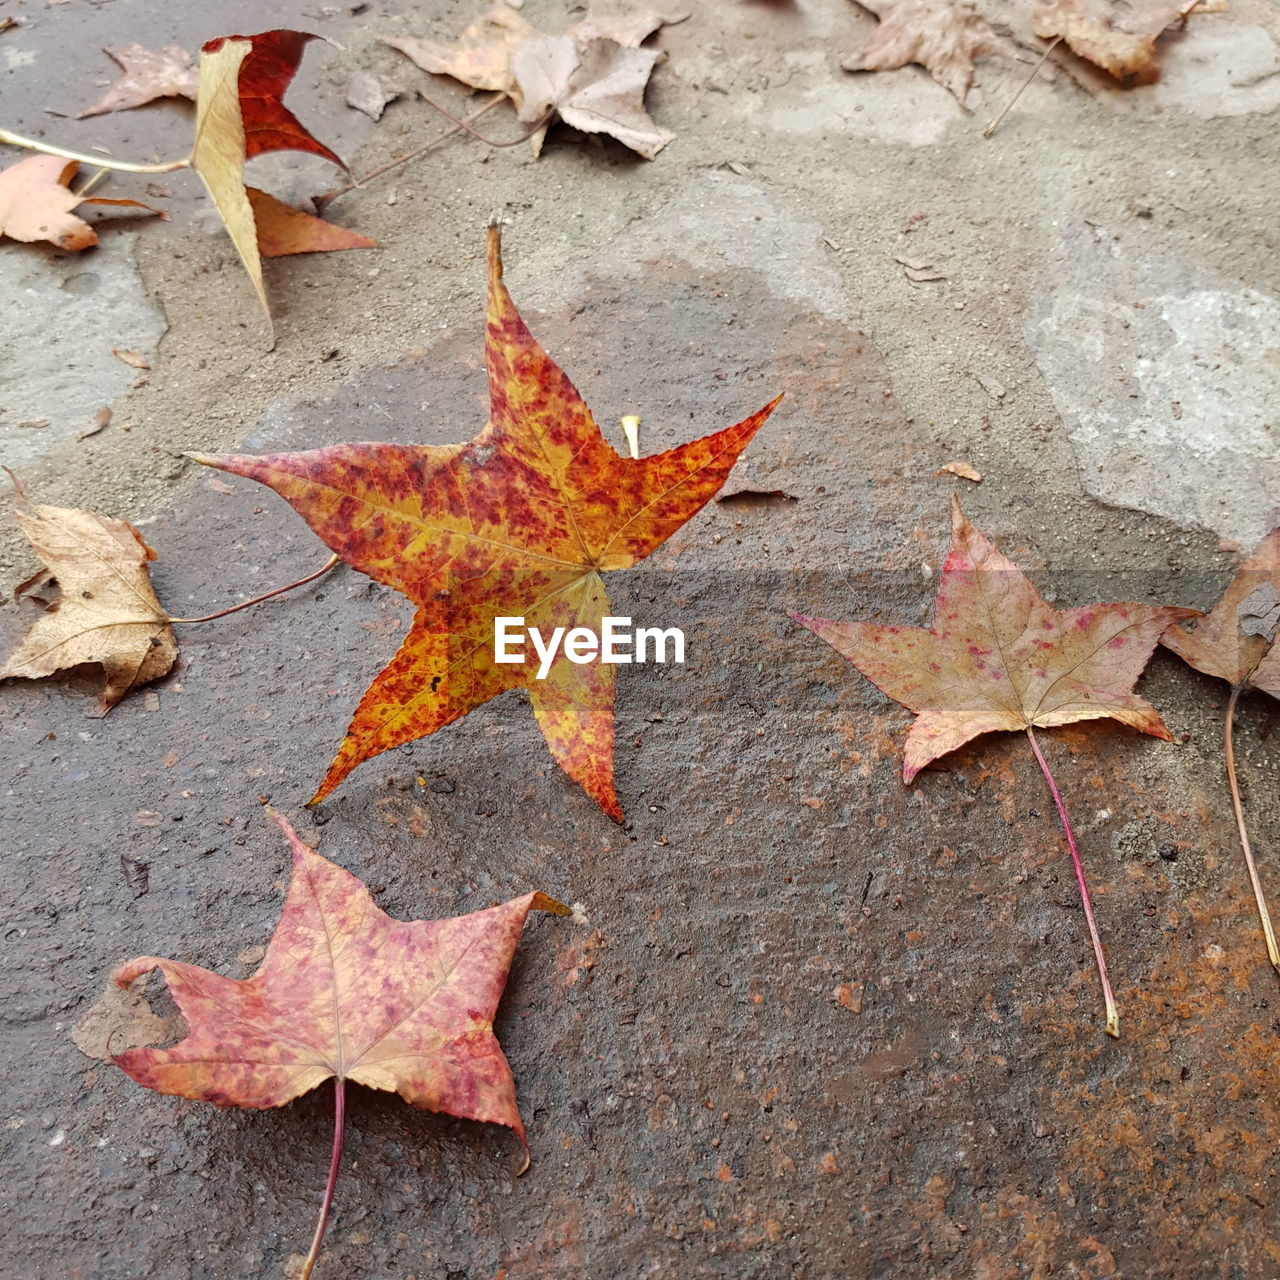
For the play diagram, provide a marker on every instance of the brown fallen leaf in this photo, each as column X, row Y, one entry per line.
column 624, row 26
column 148, row 75
column 942, row 36
column 1239, row 642
column 135, row 359
column 922, row 275
column 592, row 77
column 36, row 203
column 122, row 1019
column 1119, row 38
column 283, row 230
column 594, row 85
column 107, row 613
column 101, row 420
column 482, row 56
column 961, row 469
column 365, row 92
column 35, row 424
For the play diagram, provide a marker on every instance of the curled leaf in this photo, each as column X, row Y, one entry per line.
column 107, row 614
column 36, row 203
column 239, row 115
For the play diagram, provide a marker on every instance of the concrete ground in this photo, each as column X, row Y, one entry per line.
column 818, row 1024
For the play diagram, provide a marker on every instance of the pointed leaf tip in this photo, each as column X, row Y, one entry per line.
column 543, row 902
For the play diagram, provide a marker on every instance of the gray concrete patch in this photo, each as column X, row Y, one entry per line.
column 61, row 315
column 1165, row 378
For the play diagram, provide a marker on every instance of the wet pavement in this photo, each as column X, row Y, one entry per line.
column 816, row 1024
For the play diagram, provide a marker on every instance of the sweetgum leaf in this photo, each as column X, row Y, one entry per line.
column 345, row 991
column 942, row 36
column 240, row 114
column 523, row 521
column 999, row 658
column 1221, row 645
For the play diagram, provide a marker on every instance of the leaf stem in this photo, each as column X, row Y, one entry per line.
column 322, row 202
column 1113, row 1018
column 266, row 595
column 540, row 123
column 1269, row 933
column 989, row 131
column 101, row 162
column 339, row 1117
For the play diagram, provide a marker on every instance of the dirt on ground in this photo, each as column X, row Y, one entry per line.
column 816, row 1024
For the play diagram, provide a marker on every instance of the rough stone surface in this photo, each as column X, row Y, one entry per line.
column 812, row 1023
column 1164, row 378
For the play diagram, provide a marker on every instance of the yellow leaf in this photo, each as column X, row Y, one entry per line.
column 219, row 155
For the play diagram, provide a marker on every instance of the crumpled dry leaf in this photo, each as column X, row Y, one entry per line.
column 964, row 470
column 107, row 613
column 240, row 115
column 622, row 25
column 346, row 991
column 595, row 85
column 148, row 75
column 36, row 203
column 482, row 56
column 1224, row 644
column 998, row 658
column 283, row 230
column 524, row 520
column 943, row 36
column 1119, row 38
column 367, row 93
column 592, row 77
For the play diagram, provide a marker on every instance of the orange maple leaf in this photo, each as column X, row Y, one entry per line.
column 521, row 522
column 346, row 992
column 998, row 657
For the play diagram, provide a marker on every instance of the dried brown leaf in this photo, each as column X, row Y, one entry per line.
column 593, row 76
column 1223, row 643
column 148, row 75
column 595, row 85
column 36, row 203
column 963, row 470
column 122, row 1019
column 108, row 613
column 367, row 93
column 942, row 36
column 482, row 56
column 1119, row 38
